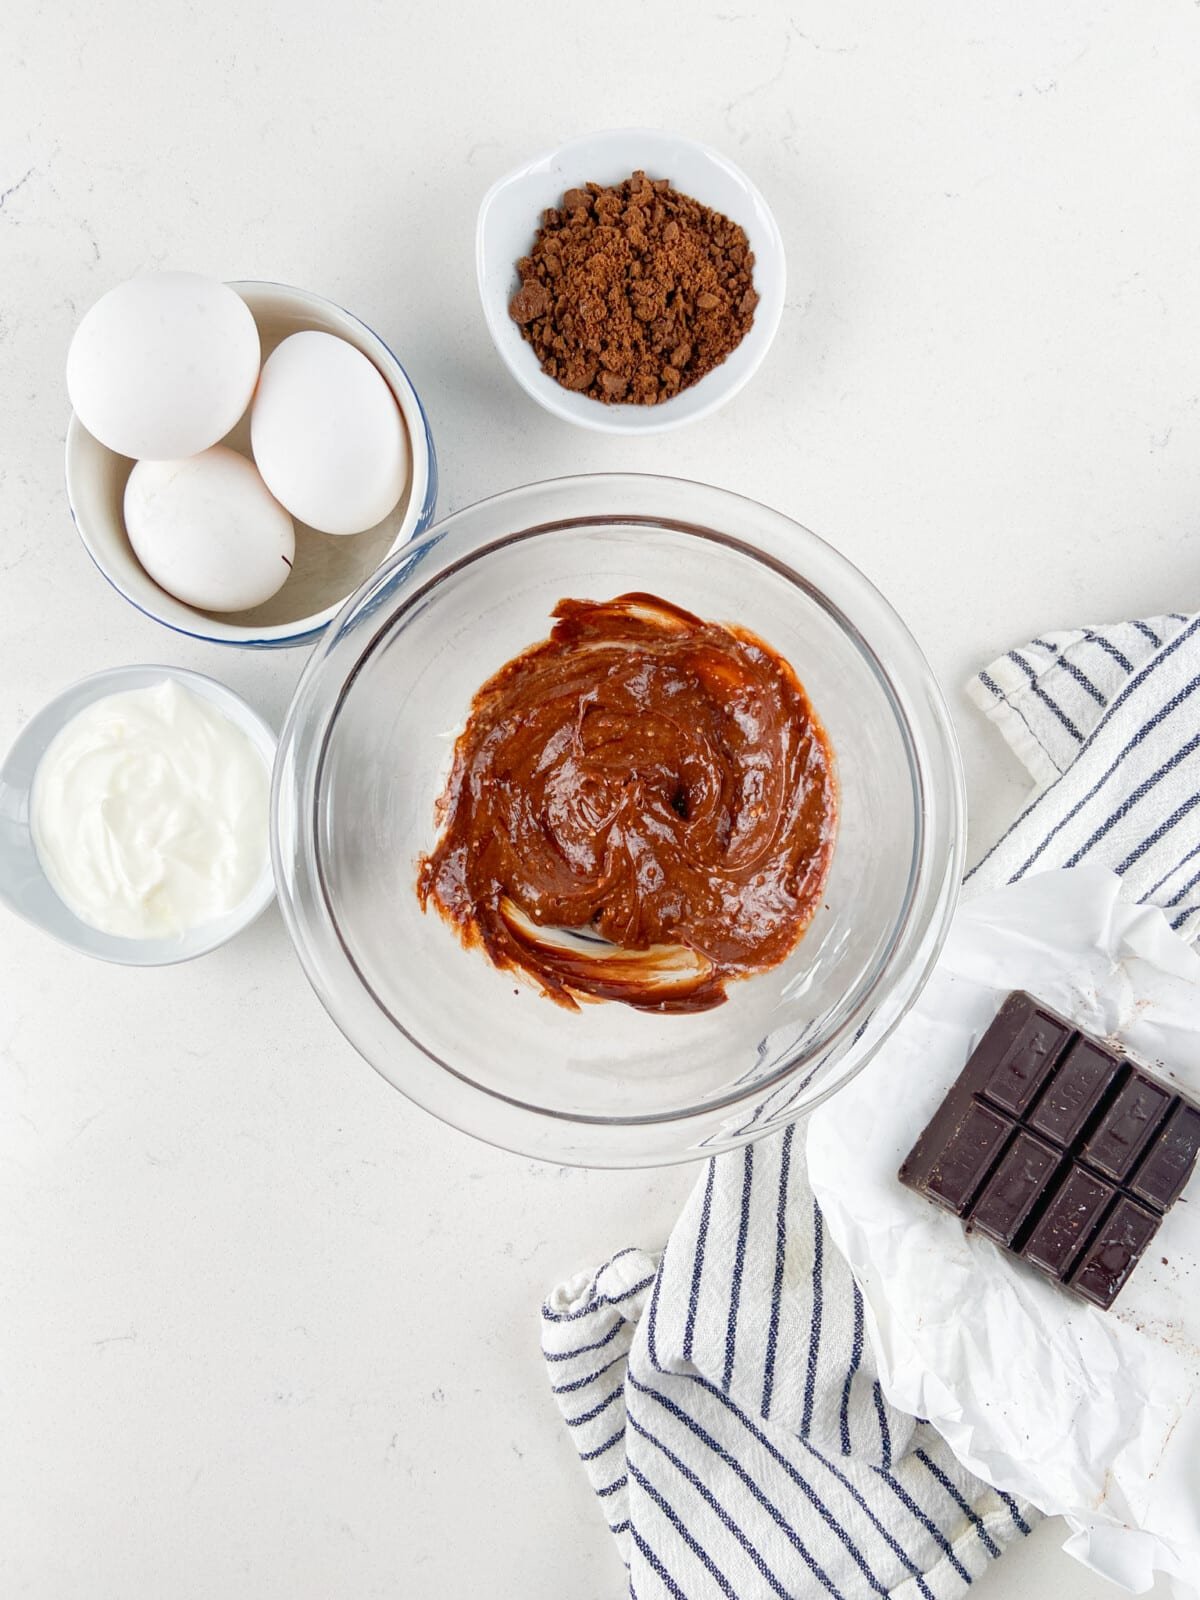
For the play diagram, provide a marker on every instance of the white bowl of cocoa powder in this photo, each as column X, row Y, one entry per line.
column 632, row 281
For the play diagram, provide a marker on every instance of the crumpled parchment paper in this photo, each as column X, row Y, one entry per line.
column 1094, row 1415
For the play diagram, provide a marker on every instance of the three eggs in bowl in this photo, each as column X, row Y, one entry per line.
column 225, row 441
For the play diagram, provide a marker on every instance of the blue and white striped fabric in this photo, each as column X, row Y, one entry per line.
column 1108, row 723
column 722, row 1398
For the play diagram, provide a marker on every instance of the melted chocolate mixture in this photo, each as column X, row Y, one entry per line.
column 640, row 808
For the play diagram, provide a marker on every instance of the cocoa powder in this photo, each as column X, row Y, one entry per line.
column 633, row 293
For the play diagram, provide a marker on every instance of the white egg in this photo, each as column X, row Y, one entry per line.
column 164, row 365
column 208, row 530
column 327, row 434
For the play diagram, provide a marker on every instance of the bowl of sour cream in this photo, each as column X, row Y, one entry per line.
column 133, row 816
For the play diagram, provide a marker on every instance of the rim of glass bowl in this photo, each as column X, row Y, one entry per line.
column 803, row 559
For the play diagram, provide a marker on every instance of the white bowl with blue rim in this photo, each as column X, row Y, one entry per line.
column 509, row 218
column 327, row 568
column 24, row 886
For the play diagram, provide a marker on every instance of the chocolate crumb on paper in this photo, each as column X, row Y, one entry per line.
column 633, row 293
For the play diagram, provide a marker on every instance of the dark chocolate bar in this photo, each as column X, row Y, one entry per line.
column 1054, row 1145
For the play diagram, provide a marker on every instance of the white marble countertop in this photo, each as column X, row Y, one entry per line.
column 266, row 1330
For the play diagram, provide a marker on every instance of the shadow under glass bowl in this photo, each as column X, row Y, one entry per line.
column 367, row 746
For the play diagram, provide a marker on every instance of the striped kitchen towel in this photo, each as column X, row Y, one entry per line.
column 722, row 1397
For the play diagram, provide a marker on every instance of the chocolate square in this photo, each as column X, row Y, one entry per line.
column 1170, row 1160
column 1068, row 1222
column 1127, row 1127
column 1014, row 1188
column 1020, row 1047
column 1085, row 1074
column 1111, row 1256
column 961, row 1157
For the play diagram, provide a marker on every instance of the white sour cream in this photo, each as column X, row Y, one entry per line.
column 149, row 813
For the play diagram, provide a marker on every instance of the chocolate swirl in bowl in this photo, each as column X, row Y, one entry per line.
column 641, row 808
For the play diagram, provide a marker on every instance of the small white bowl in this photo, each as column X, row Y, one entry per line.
column 327, row 568
column 508, row 221
column 25, row 888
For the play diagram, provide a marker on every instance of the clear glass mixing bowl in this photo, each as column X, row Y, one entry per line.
column 367, row 746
